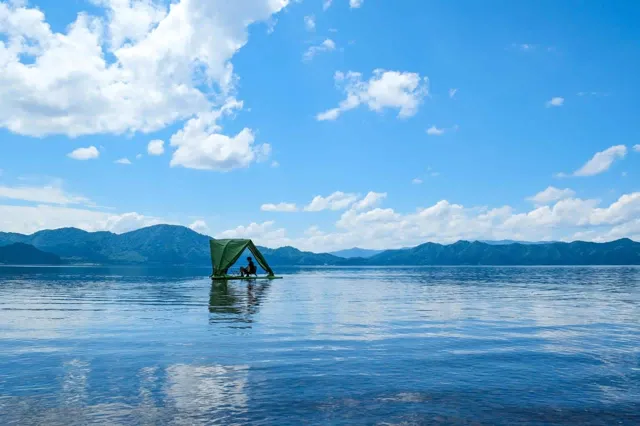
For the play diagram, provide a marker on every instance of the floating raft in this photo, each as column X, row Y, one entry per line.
column 235, row 277
column 224, row 253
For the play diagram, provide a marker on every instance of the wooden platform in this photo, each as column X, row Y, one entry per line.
column 238, row 278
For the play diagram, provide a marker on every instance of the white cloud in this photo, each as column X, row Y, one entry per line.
column 403, row 91
column 138, row 156
column 434, row 131
column 372, row 199
column 141, row 67
column 200, row 145
column 336, row 201
column 601, row 161
column 275, row 164
column 636, row 148
column 326, row 4
column 124, row 161
column 155, row 147
column 88, row 153
column 452, row 93
column 310, row 23
column 327, row 45
column 200, row 226
column 280, row 207
column 551, row 194
column 555, row 102
column 49, row 194
column 29, row 219
column 417, row 181
column 264, row 234
column 354, row 4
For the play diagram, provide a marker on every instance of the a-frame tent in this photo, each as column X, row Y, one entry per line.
column 225, row 253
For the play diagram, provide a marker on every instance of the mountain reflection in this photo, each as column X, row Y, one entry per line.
column 236, row 303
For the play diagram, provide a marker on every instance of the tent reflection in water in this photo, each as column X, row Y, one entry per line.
column 224, row 253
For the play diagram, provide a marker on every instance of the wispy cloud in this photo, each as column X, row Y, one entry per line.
column 550, row 195
column 599, row 163
column 452, row 93
column 310, row 23
column 417, row 181
column 597, row 94
column 327, row 45
column 123, row 161
column 52, row 193
column 337, row 201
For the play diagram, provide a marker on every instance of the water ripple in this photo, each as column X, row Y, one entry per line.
column 452, row 345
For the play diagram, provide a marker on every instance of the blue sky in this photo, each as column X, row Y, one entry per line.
column 406, row 121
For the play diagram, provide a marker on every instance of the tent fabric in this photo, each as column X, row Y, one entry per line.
column 225, row 253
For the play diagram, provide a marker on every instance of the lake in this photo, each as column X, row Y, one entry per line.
column 387, row 346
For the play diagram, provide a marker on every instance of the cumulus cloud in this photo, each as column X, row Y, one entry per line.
column 555, row 102
column 124, row 161
column 327, row 45
column 354, row 4
column 551, row 194
column 200, row 145
column 310, row 23
column 372, row 199
column 601, row 161
column 636, row 148
column 434, row 131
column 155, row 147
column 403, row 91
column 266, row 233
column 142, row 67
column 280, row 207
column 336, row 201
column 446, row 222
column 82, row 154
column 200, row 226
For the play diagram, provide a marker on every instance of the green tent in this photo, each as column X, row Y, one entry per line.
column 225, row 253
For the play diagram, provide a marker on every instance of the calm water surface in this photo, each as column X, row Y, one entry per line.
column 322, row 346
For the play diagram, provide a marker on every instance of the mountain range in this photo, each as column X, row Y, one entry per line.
column 26, row 254
column 178, row 245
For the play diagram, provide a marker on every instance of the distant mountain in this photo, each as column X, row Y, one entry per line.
column 159, row 245
column 25, row 254
column 177, row 245
column 504, row 242
column 619, row 252
column 356, row 252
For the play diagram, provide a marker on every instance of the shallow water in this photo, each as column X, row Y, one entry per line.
column 453, row 345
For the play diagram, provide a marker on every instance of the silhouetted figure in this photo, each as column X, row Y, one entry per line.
column 249, row 270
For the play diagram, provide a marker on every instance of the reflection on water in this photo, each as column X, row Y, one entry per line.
column 236, row 303
column 322, row 346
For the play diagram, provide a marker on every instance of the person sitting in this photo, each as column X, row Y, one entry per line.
column 249, row 270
